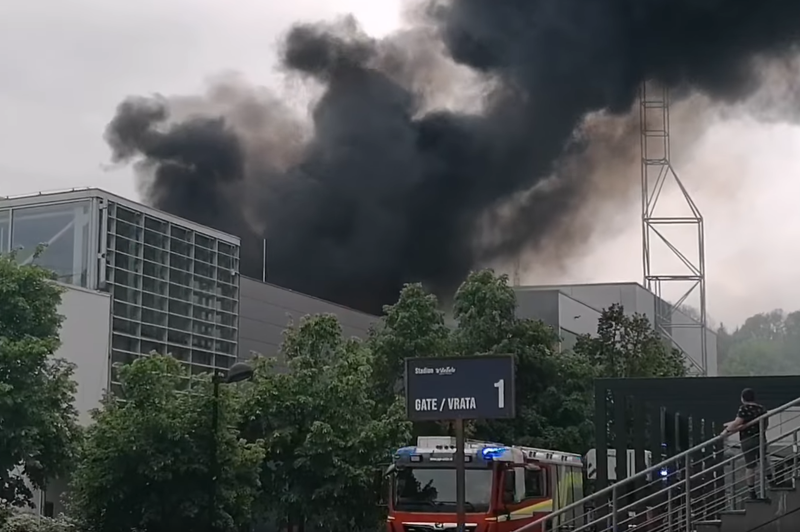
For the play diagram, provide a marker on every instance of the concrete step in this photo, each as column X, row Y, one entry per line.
column 779, row 513
column 708, row 526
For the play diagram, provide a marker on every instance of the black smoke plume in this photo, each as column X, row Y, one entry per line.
column 385, row 187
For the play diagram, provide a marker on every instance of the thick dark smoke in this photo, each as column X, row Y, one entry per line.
column 386, row 189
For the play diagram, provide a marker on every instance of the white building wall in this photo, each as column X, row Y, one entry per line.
column 85, row 336
column 85, row 341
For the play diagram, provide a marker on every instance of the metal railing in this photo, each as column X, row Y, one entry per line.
column 694, row 486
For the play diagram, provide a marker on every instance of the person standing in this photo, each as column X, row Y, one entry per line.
column 750, row 436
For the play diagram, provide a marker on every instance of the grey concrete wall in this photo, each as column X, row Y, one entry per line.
column 711, row 347
column 634, row 298
column 539, row 305
column 266, row 310
column 577, row 317
column 85, row 339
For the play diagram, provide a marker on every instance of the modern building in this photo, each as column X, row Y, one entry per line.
column 171, row 285
column 573, row 310
column 174, row 284
column 138, row 280
column 265, row 310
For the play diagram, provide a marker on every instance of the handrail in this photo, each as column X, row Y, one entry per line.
column 608, row 490
column 700, row 474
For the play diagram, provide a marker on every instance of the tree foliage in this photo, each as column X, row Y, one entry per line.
column 324, row 430
column 144, row 464
column 303, row 446
column 627, row 346
column 38, row 422
column 765, row 344
column 412, row 327
column 553, row 389
column 28, row 522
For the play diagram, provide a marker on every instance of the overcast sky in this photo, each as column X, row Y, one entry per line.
column 65, row 64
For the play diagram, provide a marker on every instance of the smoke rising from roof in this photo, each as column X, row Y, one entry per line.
column 391, row 184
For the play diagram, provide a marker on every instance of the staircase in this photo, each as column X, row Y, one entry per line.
column 703, row 489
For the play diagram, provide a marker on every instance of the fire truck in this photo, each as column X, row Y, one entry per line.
column 506, row 486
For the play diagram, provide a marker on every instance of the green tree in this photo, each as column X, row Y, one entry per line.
column 757, row 356
column 144, row 464
column 767, row 343
column 412, row 327
column 38, row 423
column 627, row 346
column 553, row 388
column 28, row 522
column 324, row 431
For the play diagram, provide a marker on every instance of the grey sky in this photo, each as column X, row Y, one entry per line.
column 65, row 64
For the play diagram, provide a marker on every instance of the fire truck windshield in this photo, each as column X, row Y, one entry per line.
column 434, row 490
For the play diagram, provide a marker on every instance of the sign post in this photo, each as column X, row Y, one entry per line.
column 459, row 388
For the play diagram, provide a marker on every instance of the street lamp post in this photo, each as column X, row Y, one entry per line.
column 237, row 373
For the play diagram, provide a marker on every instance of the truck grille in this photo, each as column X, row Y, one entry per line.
column 439, row 527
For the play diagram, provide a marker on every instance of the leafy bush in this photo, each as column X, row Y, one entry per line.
column 27, row 522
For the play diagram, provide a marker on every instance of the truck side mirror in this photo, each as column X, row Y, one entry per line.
column 509, row 484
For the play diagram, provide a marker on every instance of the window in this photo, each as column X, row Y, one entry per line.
column 125, row 326
column 204, row 255
column 180, row 233
column 129, row 247
column 203, row 241
column 180, row 247
column 534, row 483
column 125, row 343
column 154, row 301
column 63, row 231
column 156, row 225
column 156, row 255
column 227, row 249
column 123, row 310
column 224, row 261
column 155, row 239
column 126, row 262
column 155, row 270
column 127, row 230
column 127, row 215
column 434, row 490
column 201, row 357
column 166, row 295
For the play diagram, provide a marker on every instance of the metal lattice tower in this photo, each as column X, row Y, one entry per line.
column 683, row 279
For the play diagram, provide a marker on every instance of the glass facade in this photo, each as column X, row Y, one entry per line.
column 174, row 286
column 175, row 291
column 63, row 229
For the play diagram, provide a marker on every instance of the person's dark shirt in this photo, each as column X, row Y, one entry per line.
column 748, row 412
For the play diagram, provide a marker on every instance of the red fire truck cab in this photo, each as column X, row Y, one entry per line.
column 506, row 486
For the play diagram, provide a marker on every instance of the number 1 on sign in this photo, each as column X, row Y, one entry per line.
column 501, row 393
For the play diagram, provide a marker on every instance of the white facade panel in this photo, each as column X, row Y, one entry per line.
column 576, row 317
column 85, row 343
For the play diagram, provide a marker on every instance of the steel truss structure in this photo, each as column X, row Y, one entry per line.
column 688, row 279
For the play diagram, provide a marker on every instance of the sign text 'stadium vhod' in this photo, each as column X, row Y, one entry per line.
column 446, row 370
